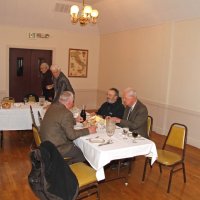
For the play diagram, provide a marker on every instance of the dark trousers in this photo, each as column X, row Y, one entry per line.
column 75, row 155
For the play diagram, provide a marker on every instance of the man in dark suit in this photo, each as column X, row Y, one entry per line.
column 58, row 127
column 135, row 114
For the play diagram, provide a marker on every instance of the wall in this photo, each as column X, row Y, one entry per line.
column 162, row 64
column 59, row 42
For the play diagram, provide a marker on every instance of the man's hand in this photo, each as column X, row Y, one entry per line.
column 79, row 119
column 115, row 119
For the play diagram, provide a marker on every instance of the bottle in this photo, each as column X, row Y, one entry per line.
column 83, row 113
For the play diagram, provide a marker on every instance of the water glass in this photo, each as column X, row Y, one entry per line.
column 110, row 128
column 41, row 100
column 25, row 100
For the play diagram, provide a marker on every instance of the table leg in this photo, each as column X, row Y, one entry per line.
column 1, row 137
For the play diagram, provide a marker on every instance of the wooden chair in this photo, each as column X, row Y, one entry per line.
column 39, row 117
column 36, row 135
column 86, row 176
column 32, row 116
column 149, row 125
column 168, row 156
column 32, row 97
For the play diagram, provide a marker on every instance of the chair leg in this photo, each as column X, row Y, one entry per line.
column 130, row 166
column 118, row 167
column 145, row 166
column 160, row 167
column 184, row 174
column 170, row 180
column 1, row 132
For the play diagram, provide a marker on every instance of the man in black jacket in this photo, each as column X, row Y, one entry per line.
column 113, row 107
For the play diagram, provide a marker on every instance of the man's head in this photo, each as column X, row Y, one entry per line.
column 55, row 69
column 67, row 99
column 129, row 97
column 44, row 67
column 112, row 95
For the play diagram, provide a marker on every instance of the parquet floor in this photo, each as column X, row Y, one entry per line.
column 15, row 167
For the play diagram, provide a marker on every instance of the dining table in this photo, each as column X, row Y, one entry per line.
column 99, row 152
column 18, row 117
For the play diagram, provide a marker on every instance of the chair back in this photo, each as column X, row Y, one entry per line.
column 32, row 116
column 149, row 124
column 39, row 117
column 36, row 135
column 31, row 98
column 177, row 136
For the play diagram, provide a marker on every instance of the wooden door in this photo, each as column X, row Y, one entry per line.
column 24, row 72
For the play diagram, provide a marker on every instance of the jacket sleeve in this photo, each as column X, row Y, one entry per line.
column 68, row 127
column 137, row 120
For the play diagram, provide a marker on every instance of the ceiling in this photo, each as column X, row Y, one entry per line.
column 114, row 15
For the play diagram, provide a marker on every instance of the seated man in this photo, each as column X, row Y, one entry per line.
column 113, row 107
column 58, row 127
column 135, row 114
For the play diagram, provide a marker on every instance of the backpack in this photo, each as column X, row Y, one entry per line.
column 50, row 177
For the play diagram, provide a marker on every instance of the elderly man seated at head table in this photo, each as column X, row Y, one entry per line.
column 135, row 114
column 58, row 127
column 113, row 106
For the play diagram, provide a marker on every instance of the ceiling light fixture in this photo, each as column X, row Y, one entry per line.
column 85, row 16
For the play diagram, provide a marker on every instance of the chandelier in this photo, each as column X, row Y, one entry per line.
column 85, row 16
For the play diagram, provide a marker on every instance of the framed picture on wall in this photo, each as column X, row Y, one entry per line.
column 78, row 63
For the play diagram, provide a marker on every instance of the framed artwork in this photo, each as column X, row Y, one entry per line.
column 78, row 63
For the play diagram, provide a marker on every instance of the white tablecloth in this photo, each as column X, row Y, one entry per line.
column 19, row 117
column 99, row 156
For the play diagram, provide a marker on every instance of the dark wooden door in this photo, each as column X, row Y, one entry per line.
column 24, row 72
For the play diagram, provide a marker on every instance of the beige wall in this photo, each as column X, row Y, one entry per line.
column 59, row 42
column 162, row 64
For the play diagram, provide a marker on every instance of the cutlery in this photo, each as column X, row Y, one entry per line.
column 92, row 138
column 108, row 142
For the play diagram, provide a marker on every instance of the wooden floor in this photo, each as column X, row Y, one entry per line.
column 15, row 167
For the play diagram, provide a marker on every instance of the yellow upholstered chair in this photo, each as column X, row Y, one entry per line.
column 86, row 177
column 169, row 155
column 36, row 135
column 39, row 118
column 31, row 98
column 32, row 116
column 149, row 125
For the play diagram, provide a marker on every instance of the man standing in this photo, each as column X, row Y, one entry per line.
column 135, row 114
column 47, row 83
column 113, row 107
column 60, row 81
column 58, row 127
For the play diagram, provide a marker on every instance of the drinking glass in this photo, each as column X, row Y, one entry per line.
column 125, row 132
column 25, row 100
column 41, row 100
column 110, row 128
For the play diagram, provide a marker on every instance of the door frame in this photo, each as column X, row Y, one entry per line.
column 53, row 49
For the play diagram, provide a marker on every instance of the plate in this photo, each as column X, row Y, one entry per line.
column 96, row 140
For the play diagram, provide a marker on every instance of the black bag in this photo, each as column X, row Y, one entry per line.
column 50, row 177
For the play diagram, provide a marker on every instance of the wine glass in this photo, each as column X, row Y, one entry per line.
column 135, row 135
column 110, row 129
column 125, row 132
